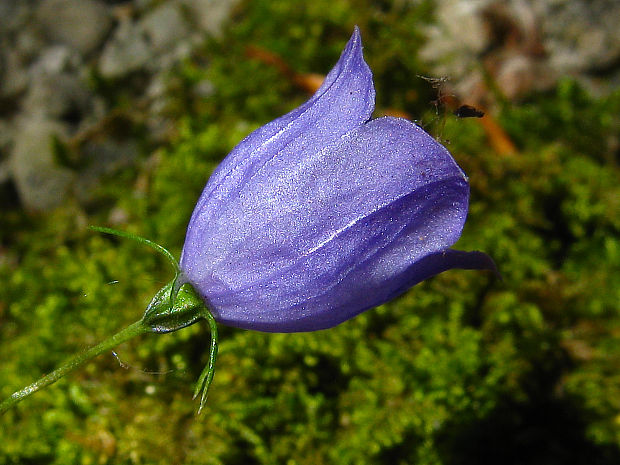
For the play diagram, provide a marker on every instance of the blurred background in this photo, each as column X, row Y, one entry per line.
column 115, row 113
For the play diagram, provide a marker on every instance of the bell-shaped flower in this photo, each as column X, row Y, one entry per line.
column 324, row 213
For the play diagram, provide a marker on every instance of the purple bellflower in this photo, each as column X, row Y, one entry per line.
column 312, row 219
column 324, row 213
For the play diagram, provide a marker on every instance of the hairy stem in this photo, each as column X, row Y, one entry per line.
column 125, row 334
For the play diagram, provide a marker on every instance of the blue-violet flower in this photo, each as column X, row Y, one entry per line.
column 324, row 213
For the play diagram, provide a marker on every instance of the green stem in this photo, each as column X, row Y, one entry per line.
column 123, row 335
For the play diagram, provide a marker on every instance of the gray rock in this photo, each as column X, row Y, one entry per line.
column 55, row 90
column 57, row 96
column 81, row 24
column 40, row 183
column 14, row 14
column 126, row 52
column 16, row 56
column 155, row 41
column 29, row 43
column 539, row 42
column 48, row 48
column 164, row 27
column 581, row 35
column 12, row 74
column 209, row 15
column 56, row 59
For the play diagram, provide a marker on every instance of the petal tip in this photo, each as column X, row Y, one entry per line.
column 477, row 260
column 355, row 42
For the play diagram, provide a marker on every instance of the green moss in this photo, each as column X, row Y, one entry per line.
column 462, row 369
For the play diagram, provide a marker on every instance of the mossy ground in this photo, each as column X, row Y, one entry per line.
column 463, row 369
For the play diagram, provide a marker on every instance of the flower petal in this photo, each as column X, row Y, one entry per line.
column 311, row 242
column 372, row 295
column 345, row 100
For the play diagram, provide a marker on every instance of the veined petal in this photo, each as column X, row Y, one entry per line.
column 351, row 293
column 309, row 243
column 344, row 101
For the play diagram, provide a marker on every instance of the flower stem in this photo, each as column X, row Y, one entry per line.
column 123, row 335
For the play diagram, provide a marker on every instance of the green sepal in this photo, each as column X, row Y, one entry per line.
column 165, row 314
column 168, row 312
